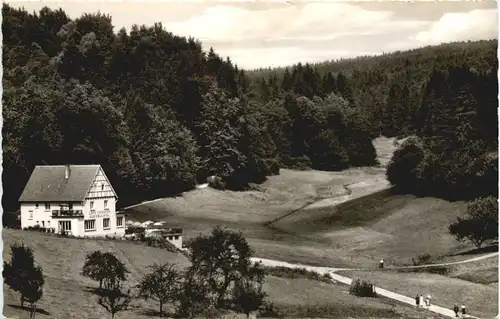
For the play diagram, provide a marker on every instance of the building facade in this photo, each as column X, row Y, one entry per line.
column 173, row 235
column 75, row 199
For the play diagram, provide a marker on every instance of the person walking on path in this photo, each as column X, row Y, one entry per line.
column 456, row 309
column 417, row 300
column 463, row 311
column 428, row 301
column 381, row 265
column 421, row 300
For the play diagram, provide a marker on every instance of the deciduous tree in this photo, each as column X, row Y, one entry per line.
column 479, row 224
column 23, row 276
column 161, row 284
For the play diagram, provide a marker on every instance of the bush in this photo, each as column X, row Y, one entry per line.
column 30, row 228
column 269, row 310
column 286, row 272
column 299, row 163
column 217, row 183
column 134, row 230
column 362, row 289
column 142, row 237
column 421, row 259
column 403, row 168
column 272, row 166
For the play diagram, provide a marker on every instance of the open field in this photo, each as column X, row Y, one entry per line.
column 294, row 218
column 482, row 300
column 303, row 298
column 67, row 294
column 481, row 272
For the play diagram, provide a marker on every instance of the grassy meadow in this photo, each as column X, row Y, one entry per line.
column 293, row 217
column 67, row 294
column 480, row 299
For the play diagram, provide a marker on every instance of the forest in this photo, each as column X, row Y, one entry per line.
column 160, row 114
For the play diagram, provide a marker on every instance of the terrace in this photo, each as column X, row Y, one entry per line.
column 64, row 213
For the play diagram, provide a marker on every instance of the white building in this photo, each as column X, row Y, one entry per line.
column 76, row 199
column 173, row 235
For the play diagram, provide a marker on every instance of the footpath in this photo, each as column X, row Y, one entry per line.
column 331, row 271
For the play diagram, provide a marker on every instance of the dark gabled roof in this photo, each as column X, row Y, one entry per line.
column 47, row 183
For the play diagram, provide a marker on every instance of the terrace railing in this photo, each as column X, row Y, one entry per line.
column 67, row 213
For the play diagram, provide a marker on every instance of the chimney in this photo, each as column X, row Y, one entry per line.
column 67, row 171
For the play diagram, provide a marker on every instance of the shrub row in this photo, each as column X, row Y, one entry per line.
column 296, row 273
column 40, row 229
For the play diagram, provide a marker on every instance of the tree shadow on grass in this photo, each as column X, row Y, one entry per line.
column 94, row 290
column 488, row 249
column 156, row 314
column 27, row 309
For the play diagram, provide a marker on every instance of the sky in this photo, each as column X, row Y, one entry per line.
column 274, row 33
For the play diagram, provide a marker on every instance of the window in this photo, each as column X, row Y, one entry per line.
column 105, row 223
column 90, row 225
column 36, row 205
column 70, row 206
column 91, row 204
column 65, row 225
column 43, row 223
column 119, row 221
column 47, row 206
column 176, row 237
column 105, row 204
column 31, row 214
column 102, row 186
column 48, row 223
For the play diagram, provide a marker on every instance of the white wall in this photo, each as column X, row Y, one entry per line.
column 99, row 213
column 41, row 217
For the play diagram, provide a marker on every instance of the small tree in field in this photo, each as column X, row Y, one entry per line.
column 193, row 296
column 112, row 298
column 161, row 284
column 34, row 289
column 479, row 224
column 99, row 266
column 248, row 296
column 21, row 275
column 220, row 260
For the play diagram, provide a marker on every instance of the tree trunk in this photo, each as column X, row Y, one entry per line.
column 100, row 284
column 161, row 309
column 22, row 300
column 32, row 311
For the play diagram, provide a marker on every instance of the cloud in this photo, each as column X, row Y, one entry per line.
column 290, row 34
column 472, row 25
column 313, row 20
column 262, row 34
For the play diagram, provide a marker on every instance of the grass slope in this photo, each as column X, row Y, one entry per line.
column 67, row 294
column 482, row 300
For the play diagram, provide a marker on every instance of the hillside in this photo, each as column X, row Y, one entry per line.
column 67, row 294
column 292, row 217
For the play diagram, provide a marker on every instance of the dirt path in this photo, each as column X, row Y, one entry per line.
column 331, row 271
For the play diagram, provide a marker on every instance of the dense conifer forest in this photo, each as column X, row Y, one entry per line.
column 161, row 114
